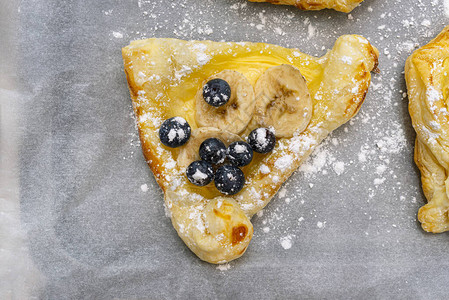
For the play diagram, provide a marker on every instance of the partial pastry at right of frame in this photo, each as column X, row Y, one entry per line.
column 426, row 74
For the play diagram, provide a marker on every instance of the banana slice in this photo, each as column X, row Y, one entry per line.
column 283, row 101
column 235, row 115
column 189, row 152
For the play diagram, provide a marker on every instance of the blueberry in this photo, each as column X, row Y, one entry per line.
column 174, row 132
column 239, row 154
column 229, row 179
column 216, row 92
column 200, row 172
column 213, row 150
column 262, row 140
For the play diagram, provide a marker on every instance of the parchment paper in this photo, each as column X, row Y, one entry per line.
column 81, row 225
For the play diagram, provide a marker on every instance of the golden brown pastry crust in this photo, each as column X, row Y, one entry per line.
column 164, row 76
column 427, row 84
column 339, row 5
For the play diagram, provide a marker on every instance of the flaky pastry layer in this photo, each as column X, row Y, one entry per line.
column 339, row 5
column 165, row 74
column 426, row 74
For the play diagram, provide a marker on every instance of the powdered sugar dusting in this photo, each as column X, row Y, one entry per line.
column 433, row 95
column 223, row 267
column 446, row 7
column 339, row 167
column 117, row 35
column 240, row 148
column 180, row 120
column 198, row 175
column 283, row 162
column 286, row 242
column 144, row 188
column 393, row 141
column 264, row 169
column 261, row 137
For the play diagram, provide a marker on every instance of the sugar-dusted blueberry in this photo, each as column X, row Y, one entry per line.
column 213, row 150
column 174, row 132
column 229, row 179
column 262, row 140
column 216, row 92
column 200, row 173
column 239, row 153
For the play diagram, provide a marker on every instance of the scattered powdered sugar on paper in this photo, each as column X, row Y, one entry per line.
column 282, row 192
column 144, row 188
column 378, row 181
column 339, row 167
column 311, row 31
column 446, row 7
column 223, row 267
column 286, row 242
column 426, row 23
column 380, row 169
column 321, row 157
column 394, row 140
column 117, row 35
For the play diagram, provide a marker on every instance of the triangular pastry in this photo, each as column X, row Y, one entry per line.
column 339, row 5
column 300, row 98
column 426, row 74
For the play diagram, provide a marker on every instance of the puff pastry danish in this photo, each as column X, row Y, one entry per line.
column 426, row 74
column 339, row 5
column 164, row 76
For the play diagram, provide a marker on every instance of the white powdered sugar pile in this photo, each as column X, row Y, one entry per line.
column 283, row 162
column 117, row 35
column 240, row 149
column 201, row 57
column 198, row 175
column 261, row 138
column 144, row 188
column 339, row 167
column 264, row 169
column 286, row 242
